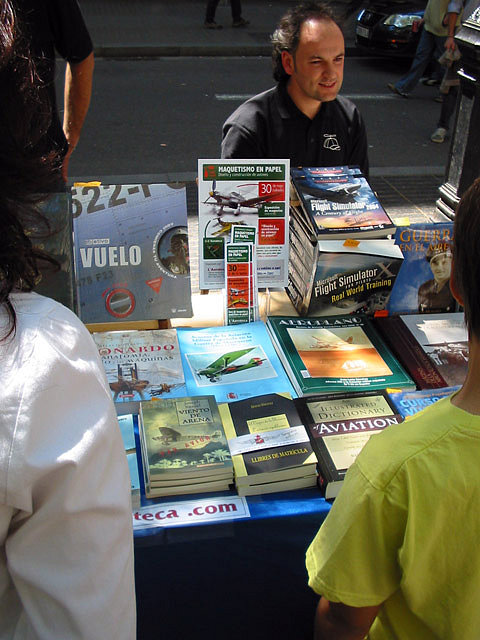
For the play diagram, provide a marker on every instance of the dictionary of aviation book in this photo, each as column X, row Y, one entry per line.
column 339, row 425
column 349, row 276
column 334, row 354
column 141, row 365
column 338, row 203
column 433, row 347
column 270, row 448
column 184, row 447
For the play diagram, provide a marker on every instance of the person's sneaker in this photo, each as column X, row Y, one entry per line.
column 439, row 98
column 241, row 22
column 439, row 135
column 399, row 92
column 430, row 82
column 212, row 25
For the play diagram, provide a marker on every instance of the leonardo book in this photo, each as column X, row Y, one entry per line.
column 141, row 365
column 339, row 426
column 334, row 354
column 184, row 448
column 270, row 448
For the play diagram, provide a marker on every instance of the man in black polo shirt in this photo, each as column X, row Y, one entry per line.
column 57, row 26
column 302, row 118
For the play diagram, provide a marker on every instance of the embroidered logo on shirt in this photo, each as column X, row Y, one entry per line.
column 331, row 142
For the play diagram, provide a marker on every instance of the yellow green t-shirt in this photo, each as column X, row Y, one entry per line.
column 405, row 530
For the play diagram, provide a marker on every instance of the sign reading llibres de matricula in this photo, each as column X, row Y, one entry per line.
column 243, row 193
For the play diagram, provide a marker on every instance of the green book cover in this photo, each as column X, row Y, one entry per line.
column 335, row 354
column 183, row 438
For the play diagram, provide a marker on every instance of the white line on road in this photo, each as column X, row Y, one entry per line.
column 352, row 96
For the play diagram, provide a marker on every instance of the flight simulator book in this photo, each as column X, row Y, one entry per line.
column 335, row 354
column 349, row 276
column 339, row 203
column 131, row 252
column 250, row 193
column 141, row 365
column 232, row 362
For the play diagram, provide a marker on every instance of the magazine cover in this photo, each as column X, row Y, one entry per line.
column 141, row 365
column 243, row 192
column 335, row 353
column 408, row 403
column 341, row 203
column 423, row 282
column 231, row 362
column 131, row 252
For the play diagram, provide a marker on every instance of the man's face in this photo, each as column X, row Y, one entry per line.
column 441, row 266
column 316, row 67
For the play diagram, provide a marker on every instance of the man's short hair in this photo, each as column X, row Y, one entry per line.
column 466, row 260
column 287, row 34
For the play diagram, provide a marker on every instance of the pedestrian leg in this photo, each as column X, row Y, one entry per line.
column 423, row 55
column 210, row 12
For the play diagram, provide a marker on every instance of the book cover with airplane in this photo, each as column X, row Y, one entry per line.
column 232, row 362
column 131, row 252
column 141, row 365
column 249, row 193
column 340, row 204
column 334, row 354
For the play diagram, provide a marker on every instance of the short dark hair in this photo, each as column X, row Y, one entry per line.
column 287, row 34
column 26, row 173
column 466, row 262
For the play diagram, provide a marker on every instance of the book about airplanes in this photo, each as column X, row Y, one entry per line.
column 131, row 252
column 141, row 365
column 408, row 403
column 335, row 354
column 423, row 281
column 349, row 276
column 232, row 362
column 183, row 445
column 339, row 426
column 340, row 204
column 433, row 347
column 278, row 448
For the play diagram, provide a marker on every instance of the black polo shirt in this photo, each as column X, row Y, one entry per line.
column 270, row 125
column 54, row 27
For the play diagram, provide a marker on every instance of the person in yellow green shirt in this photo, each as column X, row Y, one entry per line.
column 397, row 557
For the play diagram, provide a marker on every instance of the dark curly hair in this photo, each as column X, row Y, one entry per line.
column 26, row 174
column 287, row 34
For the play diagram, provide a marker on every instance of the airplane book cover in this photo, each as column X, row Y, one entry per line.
column 272, row 414
column 183, row 439
column 408, row 403
column 433, row 347
column 335, row 354
column 243, row 193
column 141, row 365
column 340, row 204
column 348, row 277
column 232, row 362
column 423, row 282
column 131, row 252
column 339, row 426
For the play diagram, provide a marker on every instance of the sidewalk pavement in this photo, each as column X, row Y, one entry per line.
column 146, row 28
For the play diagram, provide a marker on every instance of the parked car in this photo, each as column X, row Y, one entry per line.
column 389, row 28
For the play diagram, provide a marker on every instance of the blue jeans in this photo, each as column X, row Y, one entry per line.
column 430, row 47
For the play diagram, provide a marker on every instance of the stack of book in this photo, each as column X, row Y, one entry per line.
column 335, row 354
column 337, row 204
column 270, row 448
column 183, row 446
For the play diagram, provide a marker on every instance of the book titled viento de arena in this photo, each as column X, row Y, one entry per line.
column 334, row 354
column 339, row 426
column 184, row 448
column 271, row 449
column 141, row 365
